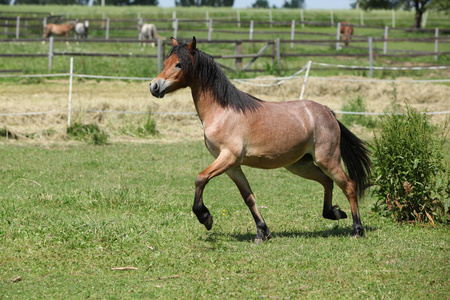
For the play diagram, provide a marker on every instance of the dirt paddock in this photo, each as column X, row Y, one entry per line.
column 52, row 96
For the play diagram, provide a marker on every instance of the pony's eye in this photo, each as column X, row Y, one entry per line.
column 178, row 65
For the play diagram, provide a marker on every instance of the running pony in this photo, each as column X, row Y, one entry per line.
column 302, row 136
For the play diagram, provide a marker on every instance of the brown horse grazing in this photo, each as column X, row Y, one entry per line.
column 347, row 31
column 302, row 136
column 55, row 29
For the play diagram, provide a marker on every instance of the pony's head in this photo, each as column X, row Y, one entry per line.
column 177, row 69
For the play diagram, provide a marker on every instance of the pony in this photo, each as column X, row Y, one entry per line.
column 347, row 31
column 148, row 32
column 81, row 29
column 61, row 30
column 302, row 136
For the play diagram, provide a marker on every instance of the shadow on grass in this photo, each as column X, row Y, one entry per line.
column 246, row 237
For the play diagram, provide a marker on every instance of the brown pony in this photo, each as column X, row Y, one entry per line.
column 347, row 31
column 302, row 136
column 55, row 29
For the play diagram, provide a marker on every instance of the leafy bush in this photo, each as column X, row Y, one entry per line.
column 357, row 105
column 87, row 132
column 410, row 169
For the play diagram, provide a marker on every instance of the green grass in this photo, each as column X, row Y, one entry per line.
column 71, row 212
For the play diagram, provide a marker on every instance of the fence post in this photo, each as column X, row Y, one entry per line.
column 386, row 32
column 338, row 36
column 436, row 43
column 238, row 19
column 18, row 27
column 44, row 24
column 207, row 18
column 70, row 92
column 174, row 17
column 370, row 57
column 424, row 20
column 393, row 18
column 270, row 17
column 210, row 29
column 251, row 30
column 6, row 28
column 308, row 66
column 107, row 29
column 238, row 51
column 175, row 28
column 302, row 18
column 160, row 52
column 331, row 18
column 278, row 54
column 292, row 33
column 50, row 54
column 361, row 17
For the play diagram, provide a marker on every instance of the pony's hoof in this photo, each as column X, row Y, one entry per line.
column 357, row 233
column 261, row 237
column 209, row 222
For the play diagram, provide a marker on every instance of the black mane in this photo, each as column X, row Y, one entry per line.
column 211, row 76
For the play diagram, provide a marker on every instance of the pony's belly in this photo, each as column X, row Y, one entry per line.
column 273, row 160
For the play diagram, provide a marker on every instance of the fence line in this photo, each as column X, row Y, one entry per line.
column 244, row 81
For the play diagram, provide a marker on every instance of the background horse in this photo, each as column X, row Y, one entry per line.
column 347, row 31
column 81, row 29
column 55, row 29
column 148, row 32
column 302, row 136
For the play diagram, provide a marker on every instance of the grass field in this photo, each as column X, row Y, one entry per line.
column 72, row 212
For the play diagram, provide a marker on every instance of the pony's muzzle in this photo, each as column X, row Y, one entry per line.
column 157, row 88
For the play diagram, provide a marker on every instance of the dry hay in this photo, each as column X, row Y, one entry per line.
column 135, row 97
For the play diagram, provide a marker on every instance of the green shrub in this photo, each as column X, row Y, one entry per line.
column 149, row 128
column 87, row 132
column 410, row 169
column 357, row 105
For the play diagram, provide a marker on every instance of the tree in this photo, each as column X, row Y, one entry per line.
column 420, row 6
column 293, row 4
column 261, row 4
column 212, row 3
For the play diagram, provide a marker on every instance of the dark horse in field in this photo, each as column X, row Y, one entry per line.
column 302, row 136
column 347, row 32
column 55, row 29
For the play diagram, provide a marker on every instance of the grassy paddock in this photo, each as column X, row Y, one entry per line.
column 69, row 213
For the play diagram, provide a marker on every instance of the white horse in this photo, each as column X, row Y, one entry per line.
column 81, row 30
column 148, row 32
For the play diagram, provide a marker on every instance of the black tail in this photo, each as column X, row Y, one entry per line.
column 356, row 158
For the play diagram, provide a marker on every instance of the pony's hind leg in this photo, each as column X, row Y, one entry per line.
column 306, row 168
column 333, row 168
column 238, row 177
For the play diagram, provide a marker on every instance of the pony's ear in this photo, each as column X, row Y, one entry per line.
column 192, row 45
column 174, row 41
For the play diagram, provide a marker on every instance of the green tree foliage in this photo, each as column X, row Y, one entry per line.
column 212, row 3
column 261, row 4
column 411, row 177
column 294, row 4
column 420, row 6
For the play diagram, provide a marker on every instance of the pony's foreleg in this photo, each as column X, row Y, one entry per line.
column 238, row 177
column 306, row 168
column 224, row 162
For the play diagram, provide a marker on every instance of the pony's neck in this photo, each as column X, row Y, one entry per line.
column 210, row 86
